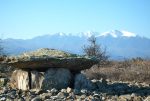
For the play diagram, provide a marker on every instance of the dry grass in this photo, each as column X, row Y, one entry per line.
column 131, row 70
column 48, row 52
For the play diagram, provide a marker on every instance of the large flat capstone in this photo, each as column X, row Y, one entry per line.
column 73, row 64
column 47, row 58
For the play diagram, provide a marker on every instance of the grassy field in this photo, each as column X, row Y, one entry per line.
column 137, row 70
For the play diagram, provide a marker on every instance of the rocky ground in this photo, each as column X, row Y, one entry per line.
column 104, row 90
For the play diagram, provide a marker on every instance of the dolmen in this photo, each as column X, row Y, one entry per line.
column 45, row 69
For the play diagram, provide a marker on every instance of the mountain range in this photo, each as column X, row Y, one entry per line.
column 119, row 44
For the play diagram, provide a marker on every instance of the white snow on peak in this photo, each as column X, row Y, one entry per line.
column 112, row 33
column 86, row 34
column 81, row 34
column 61, row 34
column 117, row 33
column 128, row 34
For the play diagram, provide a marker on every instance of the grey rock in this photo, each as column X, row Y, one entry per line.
column 103, row 98
column 27, row 98
column 81, row 82
column 45, row 96
column 54, row 97
column 48, row 100
column 84, row 91
column 58, row 78
column 54, row 90
column 4, row 90
column 71, row 96
column 82, row 97
column 133, row 95
column 127, row 97
column 31, row 92
column 76, row 91
column 30, row 97
column 97, row 96
column 12, row 94
column 147, row 99
column 36, row 99
column 62, row 95
column 21, row 99
column 9, row 99
column 3, row 81
column 2, row 98
column 69, row 90
column 64, row 90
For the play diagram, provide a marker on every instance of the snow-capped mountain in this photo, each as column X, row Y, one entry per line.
column 116, row 33
column 119, row 44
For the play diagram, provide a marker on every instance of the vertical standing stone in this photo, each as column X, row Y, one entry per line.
column 20, row 79
column 36, row 79
column 82, row 82
column 58, row 78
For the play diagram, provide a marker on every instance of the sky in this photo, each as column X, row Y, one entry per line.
column 29, row 18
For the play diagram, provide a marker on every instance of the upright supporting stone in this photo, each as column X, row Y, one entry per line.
column 82, row 82
column 58, row 78
column 20, row 79
column 36, row 79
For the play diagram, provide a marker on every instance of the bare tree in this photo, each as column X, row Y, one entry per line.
column 95, row 50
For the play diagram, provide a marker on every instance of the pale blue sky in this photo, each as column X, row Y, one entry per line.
column 29, row 18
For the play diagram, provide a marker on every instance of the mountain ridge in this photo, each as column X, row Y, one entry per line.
column 118, row 46
column 117, row 33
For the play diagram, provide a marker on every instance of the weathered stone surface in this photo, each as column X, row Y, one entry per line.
column 147, row 99
column 71, row 63
column 54, row 91
column 53, row 78
column 36, row 99
column 56, row 78
column 69, row 90
column 20, row 79
column 81, row 82
column 36, row 79
column 3, row 81
column 47, row 58
column 75, row 95
column 62, row 95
